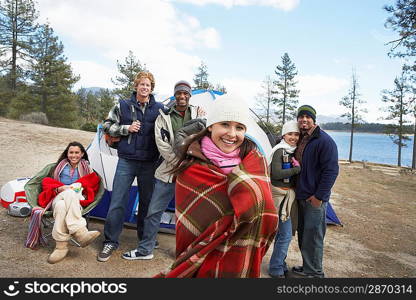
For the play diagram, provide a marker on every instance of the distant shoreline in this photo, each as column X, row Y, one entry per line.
column 330, row 130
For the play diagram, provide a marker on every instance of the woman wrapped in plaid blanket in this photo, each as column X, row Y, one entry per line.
column 225, row 216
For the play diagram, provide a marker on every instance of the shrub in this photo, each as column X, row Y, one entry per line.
column 35, row 117
column 89, row 127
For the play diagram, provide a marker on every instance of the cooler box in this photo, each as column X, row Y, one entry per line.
column 13, row 191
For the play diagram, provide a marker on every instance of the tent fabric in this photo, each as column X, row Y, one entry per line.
column 331, row 216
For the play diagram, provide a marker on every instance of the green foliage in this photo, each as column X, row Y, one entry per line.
column 285, row 94
column 17, row 25
column 35, row 117
column 89, row 127
column 402, row 19
column 128, row 72
column 398, row 106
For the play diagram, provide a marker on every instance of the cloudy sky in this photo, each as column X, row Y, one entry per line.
column 241, row 42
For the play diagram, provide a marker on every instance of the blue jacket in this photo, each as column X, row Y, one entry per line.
column 319, row 167
column 142, row 145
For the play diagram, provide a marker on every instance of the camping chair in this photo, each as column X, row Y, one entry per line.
column 33, row 188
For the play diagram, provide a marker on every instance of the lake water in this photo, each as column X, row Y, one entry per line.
column 372, row 147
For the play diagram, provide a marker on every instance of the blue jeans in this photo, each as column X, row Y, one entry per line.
column 127, row 170
column 162, row 195
column 277, row 264
column 311, row 233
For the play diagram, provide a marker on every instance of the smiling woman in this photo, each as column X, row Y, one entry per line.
column 226, row 218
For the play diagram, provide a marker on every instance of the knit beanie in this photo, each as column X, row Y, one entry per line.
column 307, row 110
column 228, row 108
column 291, row 126
column 182, row 85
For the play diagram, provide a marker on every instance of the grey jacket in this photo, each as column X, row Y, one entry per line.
column 165, row 140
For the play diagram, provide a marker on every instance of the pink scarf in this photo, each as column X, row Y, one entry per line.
column 83, row 168
column 225, row 161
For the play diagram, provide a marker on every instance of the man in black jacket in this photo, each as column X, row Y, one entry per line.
column 317, row 154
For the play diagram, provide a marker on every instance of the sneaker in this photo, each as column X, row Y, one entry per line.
column 105, row 254
column 157, row 244
column 134, row 254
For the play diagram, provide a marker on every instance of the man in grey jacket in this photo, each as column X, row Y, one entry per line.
column 165, row 128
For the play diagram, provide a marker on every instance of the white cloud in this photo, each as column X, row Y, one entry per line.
column 157, row 33
column 93, row 74
column 285, row 5
column 319, row 85
column 245, row 88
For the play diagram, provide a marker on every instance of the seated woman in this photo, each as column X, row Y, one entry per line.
column 225, row 216
column 67, row 186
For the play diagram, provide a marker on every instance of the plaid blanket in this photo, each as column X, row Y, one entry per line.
column 225, row 223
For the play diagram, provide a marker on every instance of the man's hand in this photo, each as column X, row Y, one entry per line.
column 315, row 202
column 201, row 112
column 135, row 126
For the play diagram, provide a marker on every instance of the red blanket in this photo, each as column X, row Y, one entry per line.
column 90, row 183
column 225, row 223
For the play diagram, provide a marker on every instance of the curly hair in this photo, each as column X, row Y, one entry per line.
column 144, row 74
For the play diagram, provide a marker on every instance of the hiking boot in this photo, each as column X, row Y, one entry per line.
column 59, row 253
column 106, row 252
column 135, row 255
column 85, row 237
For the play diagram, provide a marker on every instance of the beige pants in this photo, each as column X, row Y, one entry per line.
column 67, row 215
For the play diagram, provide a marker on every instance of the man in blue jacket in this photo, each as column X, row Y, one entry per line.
column 318, row 157
column 134, row 121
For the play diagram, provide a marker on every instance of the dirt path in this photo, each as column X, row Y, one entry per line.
column 378, row 211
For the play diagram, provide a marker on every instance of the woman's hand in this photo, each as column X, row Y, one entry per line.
column 295, row 163
column 62, row 188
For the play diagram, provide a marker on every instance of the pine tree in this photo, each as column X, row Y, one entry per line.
column 106, row 99
column 352, row 103
column 17, row 26
column 403, row 21
column 128, row 71
column 52, row 79
column 398, row 108
column 201, row 78
column 285, row 92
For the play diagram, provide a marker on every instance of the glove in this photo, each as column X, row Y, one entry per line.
column 295, row 163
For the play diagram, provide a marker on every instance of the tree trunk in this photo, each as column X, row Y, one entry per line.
column 351, row 142
column 414, row 146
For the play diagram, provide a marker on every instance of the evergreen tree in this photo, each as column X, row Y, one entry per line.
column 89, row 106
column 285, row 94
column 106, row 99
column 398, row 108
column 128, row 71
column 403, row 21
column 52, row 79
column 352, row 103
column 17, row 26
column 201, row 78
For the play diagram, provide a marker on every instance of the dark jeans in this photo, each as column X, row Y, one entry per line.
column 311, row 233
column 127, row 170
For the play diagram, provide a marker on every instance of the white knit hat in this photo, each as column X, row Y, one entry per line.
column 228, row 108
column 290, row 126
